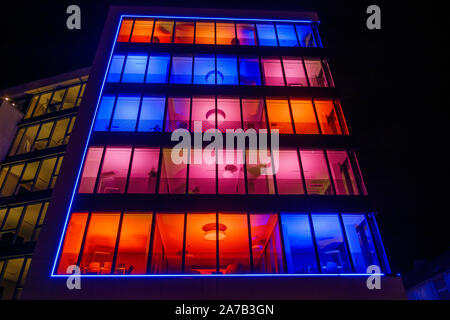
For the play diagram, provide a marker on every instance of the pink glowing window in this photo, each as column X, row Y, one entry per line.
column 202, row 172
column 125, row 30
column 289, row 178
column 341, row 170
column 253, row 113
column 259, row 172
column 304, row 117
column 134, row 243
column 316, row 172
column 144, row 171
column 279, row 115
column 228, row 114
column 294, row 71
column 203, row 114
column 114, row 170
column 231, row 172
column 272, row 72
column 328, row 118
column 178, row 110
column 163, row 31
column 90, row 170
column 142, row 30
column 316, row 74
column 173, row 175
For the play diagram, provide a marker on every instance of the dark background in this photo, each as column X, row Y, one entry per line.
column 393, row 82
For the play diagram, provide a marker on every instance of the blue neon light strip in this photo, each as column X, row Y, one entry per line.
column 271, row 275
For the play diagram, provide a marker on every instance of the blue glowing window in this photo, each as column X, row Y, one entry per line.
column 286, row 35
column 306, row 36
column 134, row 70
column 152, row 114
column 246, row 34
column 298, row 243
column 266, row 35
column 249, row 72
column 115, row 69
column 104, row 113
column 204, row 69
column 125, row 113
column 227, row 69
column 330, row 244
column 181, row 69
column 158, row 68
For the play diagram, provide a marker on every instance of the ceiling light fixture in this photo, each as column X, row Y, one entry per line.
column 211, row 231
column 211, row 116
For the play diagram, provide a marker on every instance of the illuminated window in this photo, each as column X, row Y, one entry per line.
column 152, row 114
column 259, row 172
column 289, row 178
column 316, row 172
column 11, row 277
column 90, row 170
column 246, row 34
column 272, row 72
column 181, row 69
column 27, row 179
column 163, row 31
column 125, row 113
column 341, row 170
column 125, row 30
column 142, row 30
column 115, row 69
column 31, row 107
column 279, row 115
column 286, row 35
column 184, row 32
column 10, row 182
column 249, row 72
column 158, row 68
column 304, row 117
column 144, row 171
column 294, row 71
column 41, row 107
column 114, row 170
column 42, row 137
column 59, row 133
column 134, row 70
column 202, row 172
column 45, row 174
column 13, row 218
column 225, row 33
column 227, row 69
column 204, row 114
column 29, row 221
column 104, row 113
column 204, row 69
column 204, row 33
column 316, row 74
column 228, row 114
column 254, row 115
column 306, row 36
column 266, row 35
column 71, row 97
column 328, row 119
column 231, row 172
column 178, row 110
column 173, row 176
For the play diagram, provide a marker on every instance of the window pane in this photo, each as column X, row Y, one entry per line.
column 144, row 171
column 249, row 71
column 316, row 172
column 266, row 35
column 200, row 255
column 225, row 33
column 266, row 243
column 72, row 241
column 152, row 114
column 125, row 114
column 100, row 243
column 43, row 135
column 327, row 117
column 28, row 139
column 71, row 97
column 3, row 174
column 360, row 242
column 259, row 173
column 57, row 98
column 9, row 186
column 231, row 172
column 17, row 139
column 304, row 117
column 178, row 110
column 227, row 69
column 279, row 115
column 272, row 72
column 204, row 69
column 158, row 68
column 228, row 114
column 2, row 216
column 184, row 32
column 134, row 70
column 163, row 32
column 142, row 30
column 10, row 278
column 246, row 34
column 59, row 132
column 12, row 220
column 204, row 33
column 115, row 69
column 41, row 106
column 80, row 97
column 28, row 177
column 90, row 170
column 254, row 114
column 202, row 174
column 173, row 176
column 125, row 30
column 298, row 244
column 31, row 106
column 168, row 243
column 104, row 113
column 181, row 69
column 306, row 36
column 289, row 178
column 286, row 35
column 114, row 171
column 134, row 243
column 294, row 71
column 330, row 243
column 45, row 173
column 341, row 170
column 29, row 221
column 234, row 251
column 203, row 114
column 315, row 73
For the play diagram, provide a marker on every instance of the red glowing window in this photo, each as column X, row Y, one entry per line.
column 184, row 32
column 231, row 172
column 134, row 244
column 142, row 30
column 204, row 33
column 328, row 117
column 100, row 242
column 279, row 115
column 342, row 172
column 259, row 172
column 253, row 113
column 316, row 172
column 202, row 172
column 144, row 171
column 304, row 117
column 163, row 31
column 294, row 71
column 178, row 110
column 114, row 170
column 272, row 72
column 173, row 175
column 204, row 114
column 90, row 170
column 125, row 30
column 225, row 33
column 228, row 114
column 72, row 241
column 289, row 178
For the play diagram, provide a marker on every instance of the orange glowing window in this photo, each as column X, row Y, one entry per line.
column 204, row 33
column 134, row 243
column 184, row 32
column 279, row 116
column 328, row 118
column 304, row 117
column 100, row 243
column 125, row 30
column 72, row 242
column 142, row 30
column 163, row 31
column 225, row 33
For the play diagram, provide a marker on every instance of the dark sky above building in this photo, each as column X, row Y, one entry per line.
column 392, row 83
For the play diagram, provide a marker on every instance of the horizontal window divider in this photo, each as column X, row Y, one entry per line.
column 17, row 251
column 49, row 116
column 26, row 198
column 221, row 202
column 35, row 155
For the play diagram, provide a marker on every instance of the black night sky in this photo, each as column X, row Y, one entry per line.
column 392, row 82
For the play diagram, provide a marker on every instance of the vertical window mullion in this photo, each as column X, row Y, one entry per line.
column 313, row 237
column 159, row 170
column 150, row 248
column 301, row 171
column 271, row 155
column 317, row 117
column 100, row 167
column 19, row 223
column 36, row 226
column 19, row 181
column 6, row 177
column 347, row 246
column 217, row 243
column 138, row 118
column 132, row 30
column 116, row 247
column 374, row 234
column 183, row 258
column 291, row 114
column 123, row 67
column 127, row 182
column 306, row 72
column 283, row 248
column 83, row 241
column 324, row 151
column 116, row 99
column 52, row 131
column 276, row 33
column 250, row 242
column 244, row 155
